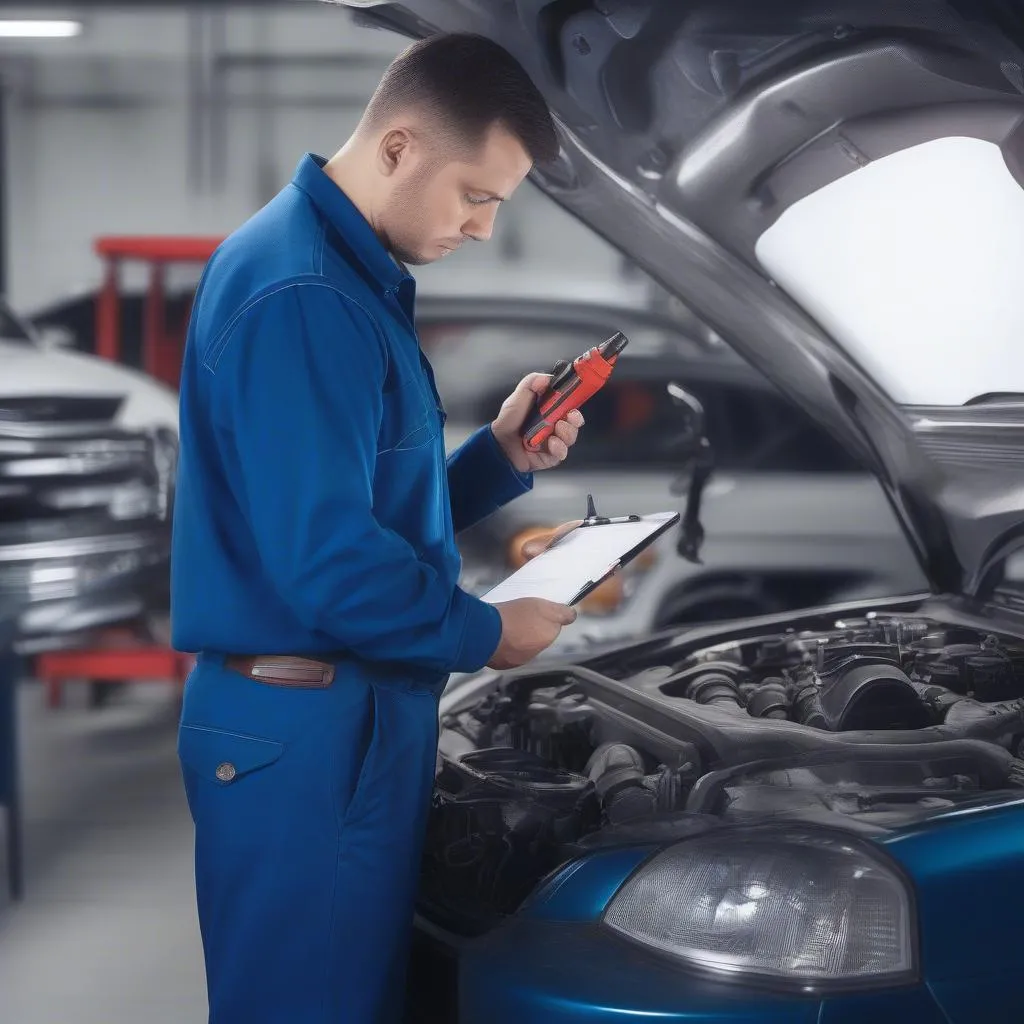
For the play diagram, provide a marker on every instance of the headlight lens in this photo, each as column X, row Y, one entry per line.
column 795, row 906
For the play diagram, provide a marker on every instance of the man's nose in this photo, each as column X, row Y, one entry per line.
column 480, row 226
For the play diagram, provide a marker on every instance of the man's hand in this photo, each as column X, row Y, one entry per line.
column 528, row 626
column 509, row 422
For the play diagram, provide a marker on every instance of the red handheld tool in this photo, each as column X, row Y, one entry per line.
column 571, row 385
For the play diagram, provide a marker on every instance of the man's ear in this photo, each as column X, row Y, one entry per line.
column 394, row 147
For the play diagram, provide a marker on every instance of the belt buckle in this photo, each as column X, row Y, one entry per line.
column 291, row 671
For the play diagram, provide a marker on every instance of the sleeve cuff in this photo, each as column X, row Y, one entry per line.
column 521, row 481
column 481, row 633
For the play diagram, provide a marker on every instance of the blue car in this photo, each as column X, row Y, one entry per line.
column 816, row 817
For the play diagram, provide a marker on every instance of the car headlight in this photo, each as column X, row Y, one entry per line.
column 797, row 907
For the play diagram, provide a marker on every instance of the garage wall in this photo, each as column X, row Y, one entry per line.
column 187, row 121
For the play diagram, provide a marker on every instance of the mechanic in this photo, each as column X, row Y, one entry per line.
column 314, row 567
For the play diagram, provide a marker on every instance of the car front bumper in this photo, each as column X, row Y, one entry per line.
column 71, row 575
column 549, row 972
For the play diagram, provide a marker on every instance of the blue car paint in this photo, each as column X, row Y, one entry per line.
column 967, row 867
column 582, row 890
column 554, row 964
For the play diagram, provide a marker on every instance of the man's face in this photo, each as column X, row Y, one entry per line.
column 435, row 204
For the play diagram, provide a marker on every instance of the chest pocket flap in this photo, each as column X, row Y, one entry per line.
column 410, row 418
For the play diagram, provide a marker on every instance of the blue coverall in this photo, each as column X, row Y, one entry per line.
column 315, row 515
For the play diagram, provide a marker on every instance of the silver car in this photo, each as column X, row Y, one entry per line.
column 789, row 518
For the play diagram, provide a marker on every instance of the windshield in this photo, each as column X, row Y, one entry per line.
column 913, row 264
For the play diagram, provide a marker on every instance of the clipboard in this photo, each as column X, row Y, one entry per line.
column 578, row 563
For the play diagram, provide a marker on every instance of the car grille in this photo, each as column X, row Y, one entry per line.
column 84, row 517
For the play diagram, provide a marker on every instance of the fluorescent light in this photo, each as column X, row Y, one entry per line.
column 39, row 29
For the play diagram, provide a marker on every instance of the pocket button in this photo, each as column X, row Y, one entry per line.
column 225, row 772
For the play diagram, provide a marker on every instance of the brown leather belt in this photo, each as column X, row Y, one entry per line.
column 282, row 670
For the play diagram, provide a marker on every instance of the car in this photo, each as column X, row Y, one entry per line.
column 818, row 815
column 88, row 453
column 85, row 510
column 34, row 365
column 824, row 529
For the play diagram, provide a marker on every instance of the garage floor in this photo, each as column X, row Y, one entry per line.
column 107, row 933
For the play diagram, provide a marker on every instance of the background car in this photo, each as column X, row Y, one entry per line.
column 88, row 452
column 33, row 365
column 790, row 518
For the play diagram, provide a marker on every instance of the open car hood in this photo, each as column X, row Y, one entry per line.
column 836, row 188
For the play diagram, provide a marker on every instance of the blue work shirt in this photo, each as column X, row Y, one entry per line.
column 315, row 510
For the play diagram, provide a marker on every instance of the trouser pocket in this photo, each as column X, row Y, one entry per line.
column 267, row 842
column 221, row 757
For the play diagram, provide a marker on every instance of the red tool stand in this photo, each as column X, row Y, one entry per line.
column 161, row 345
column 123, row 655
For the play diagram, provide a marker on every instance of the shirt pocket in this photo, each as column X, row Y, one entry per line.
column 409, row 420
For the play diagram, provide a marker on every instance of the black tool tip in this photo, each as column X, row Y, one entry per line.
column 591, row 509
column 614, row 345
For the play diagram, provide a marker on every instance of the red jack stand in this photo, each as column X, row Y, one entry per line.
column 120, row 658
column 162, row 344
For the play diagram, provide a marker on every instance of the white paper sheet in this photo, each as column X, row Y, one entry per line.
column 585, row 555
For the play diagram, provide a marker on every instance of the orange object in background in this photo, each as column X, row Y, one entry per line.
column 635, row 406
column 162, row 344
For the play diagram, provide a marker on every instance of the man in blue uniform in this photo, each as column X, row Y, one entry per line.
column 314, row 564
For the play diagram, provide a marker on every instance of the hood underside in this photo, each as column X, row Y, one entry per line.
column 836, row 188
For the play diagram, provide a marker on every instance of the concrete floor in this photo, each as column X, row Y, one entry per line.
column 107, row 932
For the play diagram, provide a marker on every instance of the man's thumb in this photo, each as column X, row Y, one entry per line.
column 533, row 384
column 562, row 613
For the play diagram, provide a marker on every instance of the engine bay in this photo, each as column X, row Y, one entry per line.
column 869, row 722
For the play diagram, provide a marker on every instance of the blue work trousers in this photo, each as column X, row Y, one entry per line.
column 310, row 807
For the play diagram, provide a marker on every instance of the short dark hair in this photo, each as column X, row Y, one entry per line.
column 471, row 84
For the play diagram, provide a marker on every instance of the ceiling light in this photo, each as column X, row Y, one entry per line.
column 39, row 29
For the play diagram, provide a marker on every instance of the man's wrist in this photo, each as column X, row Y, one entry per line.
column 510, row 448
column 482, row 629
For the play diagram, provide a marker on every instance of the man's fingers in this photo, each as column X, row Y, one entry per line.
column 557, row 447
column 535, row 382
column 561, row 613
column 566, row 614
column 526, row 390
column 567, row 432
column 576, row 418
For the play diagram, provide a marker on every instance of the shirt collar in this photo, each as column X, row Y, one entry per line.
column 351, row 225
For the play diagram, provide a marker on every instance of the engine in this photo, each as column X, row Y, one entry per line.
column 870, row 673
column 874, row 721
